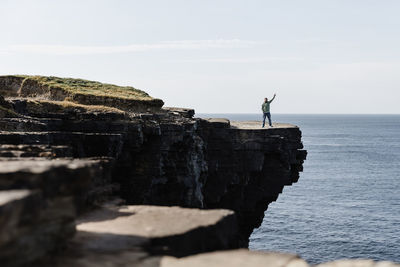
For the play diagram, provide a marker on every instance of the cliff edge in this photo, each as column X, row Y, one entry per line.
column 95, row 174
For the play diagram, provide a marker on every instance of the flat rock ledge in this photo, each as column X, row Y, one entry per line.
column 123, row 235
column 159, row 230
column 256, row 125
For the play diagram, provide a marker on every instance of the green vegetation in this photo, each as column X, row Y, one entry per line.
column 80, row 86
column 49, row 106
column 78, row 91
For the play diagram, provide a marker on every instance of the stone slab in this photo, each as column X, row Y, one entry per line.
column 163, row 230
column 139, row 235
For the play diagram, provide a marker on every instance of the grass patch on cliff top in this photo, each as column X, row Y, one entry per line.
column 81, row 86
column 41, row 106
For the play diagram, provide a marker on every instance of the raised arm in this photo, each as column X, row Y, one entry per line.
column 272, row 99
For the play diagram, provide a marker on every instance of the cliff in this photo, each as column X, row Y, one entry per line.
column 94, row 173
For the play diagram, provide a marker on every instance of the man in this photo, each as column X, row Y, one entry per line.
column 265, row 110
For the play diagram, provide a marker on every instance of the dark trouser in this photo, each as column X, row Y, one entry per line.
column 266, row 115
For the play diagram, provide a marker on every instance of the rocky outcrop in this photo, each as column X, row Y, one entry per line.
column 78, row 159
column 163, row 158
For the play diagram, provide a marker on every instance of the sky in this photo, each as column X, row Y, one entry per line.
column 217, row 56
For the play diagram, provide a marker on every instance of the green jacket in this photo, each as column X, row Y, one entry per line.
column 265, row 105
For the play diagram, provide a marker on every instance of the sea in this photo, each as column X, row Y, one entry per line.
column 346, row 203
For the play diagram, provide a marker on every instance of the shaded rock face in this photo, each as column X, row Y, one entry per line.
column 209, row 164
column 247, row 169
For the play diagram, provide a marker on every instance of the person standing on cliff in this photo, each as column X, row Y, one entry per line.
column 266, row 110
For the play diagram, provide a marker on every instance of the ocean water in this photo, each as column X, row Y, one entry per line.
column 346, row 203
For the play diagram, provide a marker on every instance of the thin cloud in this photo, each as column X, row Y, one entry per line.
column 166, row 45
column 240, row 60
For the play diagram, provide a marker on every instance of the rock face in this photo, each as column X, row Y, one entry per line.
column 65, row 152
column 209, row 164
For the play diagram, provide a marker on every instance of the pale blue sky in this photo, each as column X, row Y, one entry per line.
column 319, row 56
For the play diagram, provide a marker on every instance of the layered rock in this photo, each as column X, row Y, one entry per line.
column 211, row 164
column 71, row 154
